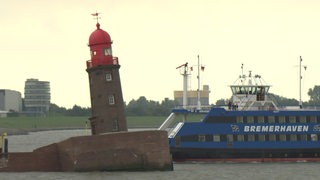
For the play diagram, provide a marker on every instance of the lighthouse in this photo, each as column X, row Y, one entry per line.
column 108, row 114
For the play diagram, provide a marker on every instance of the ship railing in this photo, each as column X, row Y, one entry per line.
column 167, row 122
column 311, row 108
column 175, row 130
column 194, row 108
column 284, row 108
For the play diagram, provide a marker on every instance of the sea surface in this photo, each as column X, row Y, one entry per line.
column 198, row 171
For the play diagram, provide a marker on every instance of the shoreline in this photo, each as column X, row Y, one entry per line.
column 16, row 131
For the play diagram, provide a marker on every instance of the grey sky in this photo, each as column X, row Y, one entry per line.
column 48, row 40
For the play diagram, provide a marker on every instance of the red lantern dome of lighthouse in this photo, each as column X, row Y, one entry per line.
column 100, row 48
column 99, row 36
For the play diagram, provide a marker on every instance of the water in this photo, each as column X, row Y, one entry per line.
column 197, row 171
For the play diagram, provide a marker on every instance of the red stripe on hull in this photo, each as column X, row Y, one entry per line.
column 245, row 160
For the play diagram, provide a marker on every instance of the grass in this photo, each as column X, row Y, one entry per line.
column 43, row 122
column 63, row 122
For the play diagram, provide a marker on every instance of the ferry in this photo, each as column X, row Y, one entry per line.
column 250, row 128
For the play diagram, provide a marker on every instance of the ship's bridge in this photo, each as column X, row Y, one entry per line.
column 249, row 93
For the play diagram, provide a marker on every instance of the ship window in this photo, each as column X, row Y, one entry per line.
column 260, row 119
column 271, row 119
column 314, row 137
column 242, row 90
column 216, row 138
column 178, row 140
column 229, row 138
column 292, row 119
column 233, row 90
column 209, row 137
column 240, row 137
column 251, row 137
column 282, row 119
column 221, row 119
column 282, row 137
column 239, row 119
column 262, row 137
column 313, row 119
column 201, row 138
column 223, row 137
column 302, row 137
column 108, row 77
column 250, row 119
column 302, row 119
column 190, row 138
column 293, row 137
column 111, row 99
column 272, row 137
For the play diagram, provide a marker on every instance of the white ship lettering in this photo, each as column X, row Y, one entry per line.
column 272, row 128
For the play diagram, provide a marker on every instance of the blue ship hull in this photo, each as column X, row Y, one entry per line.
column 230, row 154
column 252, row 135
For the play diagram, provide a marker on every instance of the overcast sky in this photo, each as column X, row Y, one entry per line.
column 48, row 40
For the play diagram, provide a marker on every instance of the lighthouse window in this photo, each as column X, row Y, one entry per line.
column 108, row 51
column 111, row 100
column 108, row 77
column 93, row 53
column 115, row 125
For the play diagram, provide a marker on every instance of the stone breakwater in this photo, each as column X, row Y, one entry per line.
column 124, row 151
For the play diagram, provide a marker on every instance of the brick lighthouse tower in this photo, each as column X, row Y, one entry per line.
column 108, row 114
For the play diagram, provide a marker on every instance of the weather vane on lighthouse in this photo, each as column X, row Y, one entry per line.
column 96, row 16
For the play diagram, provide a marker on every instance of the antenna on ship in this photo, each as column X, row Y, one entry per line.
column 300, row 79
column 185, row 75
column 242, row 76
column 198, row 95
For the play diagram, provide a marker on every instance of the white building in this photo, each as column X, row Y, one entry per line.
column 36, row 96
column 10, row 100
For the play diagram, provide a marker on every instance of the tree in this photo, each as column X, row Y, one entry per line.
column 167, row 105
column 144, row 107
column 56, row 110
column 314, row 95
column 137, row 107
column 222, row 102
column 283, row 101
column 74, row 111
column 78, row 111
